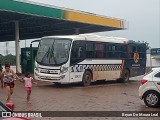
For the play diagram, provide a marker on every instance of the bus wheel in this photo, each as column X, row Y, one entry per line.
column 125, row 77
column 86, row 80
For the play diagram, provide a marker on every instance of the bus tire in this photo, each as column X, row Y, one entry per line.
column 125, row 76
column 87, row 77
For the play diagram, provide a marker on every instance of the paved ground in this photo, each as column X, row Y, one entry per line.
column 108, row 96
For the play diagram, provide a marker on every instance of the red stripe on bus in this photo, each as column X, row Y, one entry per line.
column 122, row 66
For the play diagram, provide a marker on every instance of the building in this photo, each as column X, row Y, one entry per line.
column 153, row 58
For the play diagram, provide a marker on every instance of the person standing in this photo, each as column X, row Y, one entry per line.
column 1, row 68
column 1, row 75
column 28, row 80
column 7, row 81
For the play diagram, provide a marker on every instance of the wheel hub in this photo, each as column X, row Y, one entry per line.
column 87, row 78
column 152, row 99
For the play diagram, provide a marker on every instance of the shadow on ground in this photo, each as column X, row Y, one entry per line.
column 75, row 85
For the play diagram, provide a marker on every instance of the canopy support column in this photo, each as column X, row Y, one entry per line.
column 17, row 47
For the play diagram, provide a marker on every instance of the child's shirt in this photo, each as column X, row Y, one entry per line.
column 28, row 81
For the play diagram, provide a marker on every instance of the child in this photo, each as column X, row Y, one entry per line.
column 28, row 80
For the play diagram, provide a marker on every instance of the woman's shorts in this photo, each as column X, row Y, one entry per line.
column 28, row 88
column 11, row 84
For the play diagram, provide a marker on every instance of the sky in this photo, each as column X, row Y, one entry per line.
column 142, row 18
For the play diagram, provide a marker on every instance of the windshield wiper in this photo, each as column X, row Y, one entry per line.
column 46, row 54
column 52, row 54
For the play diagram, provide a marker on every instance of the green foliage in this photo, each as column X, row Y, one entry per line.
column 8, row 59
column 1, row 59
column 147, row 45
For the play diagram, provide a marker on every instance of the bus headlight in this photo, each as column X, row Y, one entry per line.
column 36, row 67
column 64, row 70
column 36, row 74
column 62, row 77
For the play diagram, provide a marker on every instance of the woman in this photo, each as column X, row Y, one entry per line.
column 1, row 75
column 7, row 80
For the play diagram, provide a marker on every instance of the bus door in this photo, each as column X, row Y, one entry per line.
column 129, row 62
column 77, row 56
column 136, row 59
column 141, row 49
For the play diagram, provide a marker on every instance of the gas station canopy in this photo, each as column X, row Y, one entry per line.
column 38, row 20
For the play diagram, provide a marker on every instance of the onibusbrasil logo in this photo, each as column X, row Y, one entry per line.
column 22, row 114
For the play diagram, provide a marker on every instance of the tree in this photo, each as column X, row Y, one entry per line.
column 147, row 45
column 1, row 58
column 8, row 59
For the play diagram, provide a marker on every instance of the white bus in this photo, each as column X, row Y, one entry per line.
column 87, row 58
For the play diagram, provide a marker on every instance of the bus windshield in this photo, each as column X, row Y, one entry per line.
column 53, row 52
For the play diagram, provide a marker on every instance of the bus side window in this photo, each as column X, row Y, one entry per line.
column 100, row 50
column 141, row 50
column 80, row 52
column 124, row 51
column 90, row 50
column 108, row 49
column 113, row 51
column 118, row 49
column 129, row 49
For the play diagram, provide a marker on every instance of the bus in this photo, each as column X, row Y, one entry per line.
column 87, row 58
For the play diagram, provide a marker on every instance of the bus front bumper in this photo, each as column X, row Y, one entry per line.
column 49, row 77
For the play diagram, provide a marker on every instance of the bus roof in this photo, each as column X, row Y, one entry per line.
column 92, row 37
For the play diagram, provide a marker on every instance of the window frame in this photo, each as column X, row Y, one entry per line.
column 90, row 51
column 115, row 51
column 100, row 50
column 141, row 52
column 157, row 74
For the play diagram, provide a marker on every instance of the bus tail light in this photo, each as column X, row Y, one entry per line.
column 143, row 81
column 122, row 66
